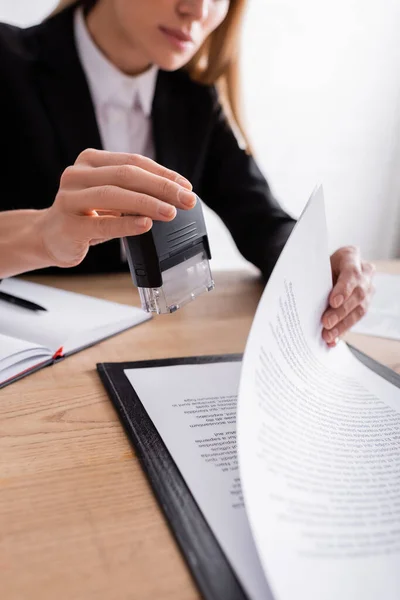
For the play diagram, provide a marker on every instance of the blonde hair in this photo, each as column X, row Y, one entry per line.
column 216, row 63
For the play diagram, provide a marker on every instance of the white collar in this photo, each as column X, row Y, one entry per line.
column 106, row 82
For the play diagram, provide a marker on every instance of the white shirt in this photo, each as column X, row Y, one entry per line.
column 122, row 102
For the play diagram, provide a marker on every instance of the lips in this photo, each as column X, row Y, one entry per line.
column 178, row 34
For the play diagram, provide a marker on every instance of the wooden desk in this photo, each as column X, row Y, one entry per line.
column 77, row 518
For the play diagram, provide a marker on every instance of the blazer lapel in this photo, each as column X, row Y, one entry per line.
column 64, row 88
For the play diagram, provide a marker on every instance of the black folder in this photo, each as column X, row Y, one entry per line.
column 210, row 568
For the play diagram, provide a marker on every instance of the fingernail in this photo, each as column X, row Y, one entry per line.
column 184, row 183
column 166, row 210
column 187, row 198
column 333, row 335
column 332, row 321
column 143, row 222
column 334, row 343
column 337, row 301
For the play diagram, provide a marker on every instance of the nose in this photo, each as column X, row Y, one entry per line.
column 196, row 9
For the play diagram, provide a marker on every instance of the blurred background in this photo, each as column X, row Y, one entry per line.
column 321, row 96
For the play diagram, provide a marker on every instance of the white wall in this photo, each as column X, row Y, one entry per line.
column 25, row 12
column 322, row 101
column 322, row 91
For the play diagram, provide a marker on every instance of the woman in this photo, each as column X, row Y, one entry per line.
column 135, row 79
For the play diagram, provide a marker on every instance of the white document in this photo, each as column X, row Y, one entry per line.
column 383, row 316
column 318, row 444
column 318, row 441
column 194, row 410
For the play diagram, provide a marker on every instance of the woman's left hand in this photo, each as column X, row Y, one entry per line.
column 351, row 293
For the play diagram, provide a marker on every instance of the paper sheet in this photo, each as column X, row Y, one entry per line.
column 13, row 351
column 383, row 316
column 194, row 409
column 318, row 441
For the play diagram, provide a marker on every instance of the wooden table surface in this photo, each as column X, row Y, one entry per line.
column 78, row 520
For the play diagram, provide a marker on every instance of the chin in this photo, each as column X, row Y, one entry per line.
column 172, row 63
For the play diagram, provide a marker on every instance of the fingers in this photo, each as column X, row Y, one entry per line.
column 107, row 195
column 101, row 229
column 349, row 276
column 368, row 269
column 332, row 317
column 351, row 295
column 122, row 201
column 331, row 336
column 130, row 178
column 101, row 158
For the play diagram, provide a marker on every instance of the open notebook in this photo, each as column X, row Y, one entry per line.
column 30, row 340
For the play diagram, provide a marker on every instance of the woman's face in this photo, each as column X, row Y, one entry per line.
column 167, row 32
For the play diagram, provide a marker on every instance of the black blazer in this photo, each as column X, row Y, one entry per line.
column 47, row 118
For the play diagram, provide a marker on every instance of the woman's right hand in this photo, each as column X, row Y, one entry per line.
column 107, row 195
